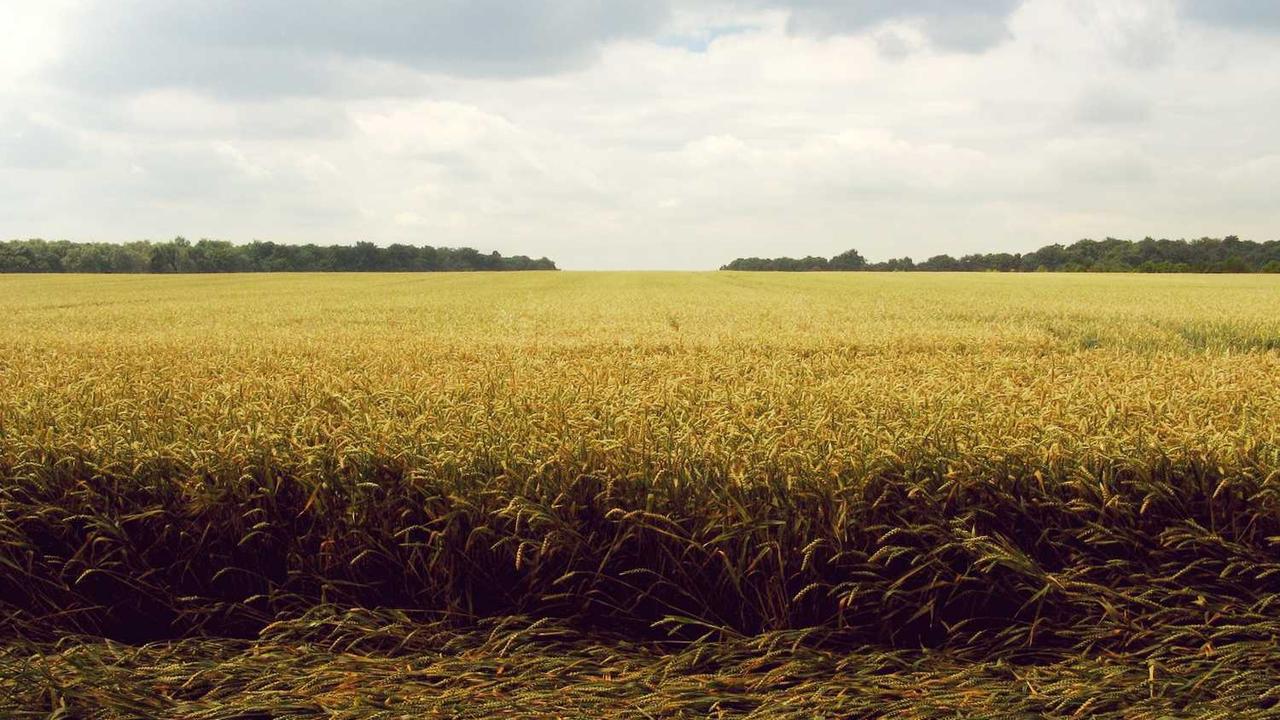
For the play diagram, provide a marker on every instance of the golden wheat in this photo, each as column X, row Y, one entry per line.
column 1075, row 472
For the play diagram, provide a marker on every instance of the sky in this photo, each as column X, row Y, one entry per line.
column 675, row 134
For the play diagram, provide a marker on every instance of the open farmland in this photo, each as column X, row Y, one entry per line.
column 640, row 495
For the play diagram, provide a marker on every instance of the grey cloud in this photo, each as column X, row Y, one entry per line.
column 1109, row 106
column 969, row 26
column 893, row 45
column 30, row 144
column 1236, row 14
column 272, row 48
column 1089, row 162
column 190, row 173
column 275, row 47
column 213, row 186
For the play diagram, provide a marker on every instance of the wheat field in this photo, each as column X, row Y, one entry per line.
column 640, row 495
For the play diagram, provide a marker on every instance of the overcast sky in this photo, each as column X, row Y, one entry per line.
column 623, row 134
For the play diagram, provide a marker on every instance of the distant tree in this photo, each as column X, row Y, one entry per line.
column 207, row 256
column 87, row 258
column 130, row 258
column 170, row 257
column 400, row 257
column 364, row 257
column 893, row 265
column 940, row 263
column 1227, row 255
column 16, row 258
column 217, row 256
column 429, row 258
column 848, row 260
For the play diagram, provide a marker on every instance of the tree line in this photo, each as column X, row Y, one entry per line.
column 219, row 256
column 1206, row 255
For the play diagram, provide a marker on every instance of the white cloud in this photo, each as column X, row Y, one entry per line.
column 1137, row 32
column 970, row 26
column 32, row 37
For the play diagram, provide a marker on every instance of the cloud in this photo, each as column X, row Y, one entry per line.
column 1139, row 33
column 610, row 134
column 700, row 40
column 32, row 143
column 1254, row 182
column 1095, row 162
column 180, row 113
column 1109, row 106
column 1248, row 15
column 278, row 47
column 971, row 26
